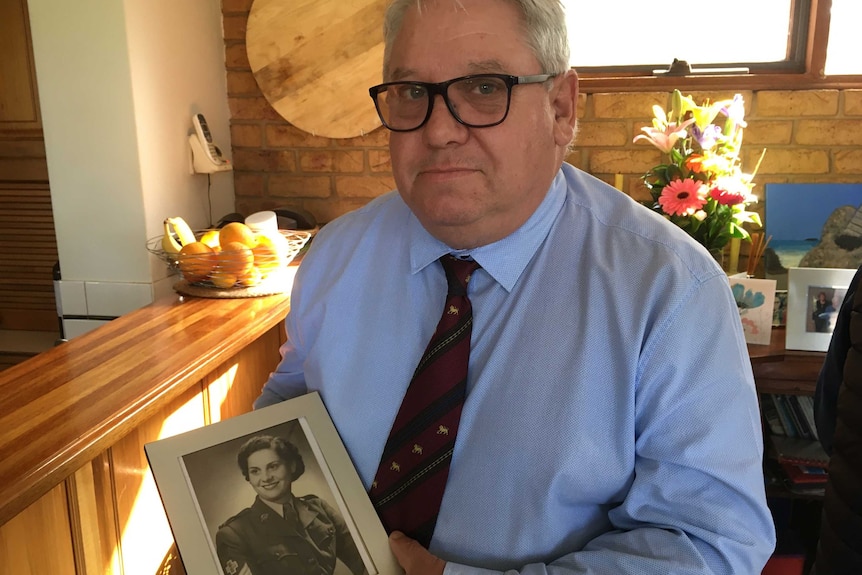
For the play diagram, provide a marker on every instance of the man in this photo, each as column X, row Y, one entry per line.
column 838, row 415
column 610, row 422
column 281, row 533
column 832, row 371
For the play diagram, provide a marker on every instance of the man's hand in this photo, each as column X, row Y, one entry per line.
column 413, row 558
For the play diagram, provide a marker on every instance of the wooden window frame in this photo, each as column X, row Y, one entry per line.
column 810, row 77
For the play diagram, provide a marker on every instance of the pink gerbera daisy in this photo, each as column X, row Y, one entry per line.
column 682, row 197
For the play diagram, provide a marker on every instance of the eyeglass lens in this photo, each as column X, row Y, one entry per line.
column 477, row 101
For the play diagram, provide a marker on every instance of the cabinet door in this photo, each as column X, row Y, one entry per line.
column 19, row 101
column 48, row 521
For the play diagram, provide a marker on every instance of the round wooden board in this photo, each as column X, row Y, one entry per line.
column 314, row 61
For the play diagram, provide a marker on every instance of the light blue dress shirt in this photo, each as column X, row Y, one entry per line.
column 611, row 423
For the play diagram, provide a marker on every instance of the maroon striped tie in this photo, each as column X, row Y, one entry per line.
column 411, row 478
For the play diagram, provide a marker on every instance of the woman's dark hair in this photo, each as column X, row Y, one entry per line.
column 285, row 450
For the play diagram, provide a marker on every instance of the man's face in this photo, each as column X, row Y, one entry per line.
column 473, row 186
column 269, row 475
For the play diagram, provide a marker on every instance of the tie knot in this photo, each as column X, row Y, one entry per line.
column 458, row 273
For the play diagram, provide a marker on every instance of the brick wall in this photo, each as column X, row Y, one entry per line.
column 810, row 136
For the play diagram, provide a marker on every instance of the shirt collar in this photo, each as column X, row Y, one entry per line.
column 277, row 507
column 505, row 259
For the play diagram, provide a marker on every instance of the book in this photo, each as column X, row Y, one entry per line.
column 806, row 404
column 770, row 415
column 798, row 424
column 799, row 416
column 804, row 474
column 800, row 451
column 784, row 415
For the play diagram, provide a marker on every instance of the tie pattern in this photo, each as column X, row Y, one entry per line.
column 414, row 467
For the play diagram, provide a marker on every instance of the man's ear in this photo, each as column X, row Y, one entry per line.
column 565, row 105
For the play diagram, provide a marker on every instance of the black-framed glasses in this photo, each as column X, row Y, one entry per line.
column 477, row 101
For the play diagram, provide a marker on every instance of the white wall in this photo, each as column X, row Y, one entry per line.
column 118, row 83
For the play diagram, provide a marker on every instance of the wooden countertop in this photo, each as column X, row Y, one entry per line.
column 61, row 408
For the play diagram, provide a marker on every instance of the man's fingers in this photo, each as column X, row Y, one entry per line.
column 415, row 559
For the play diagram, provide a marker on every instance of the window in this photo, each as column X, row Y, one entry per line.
column 844, row 54
column 737, row 44
column 616, row 33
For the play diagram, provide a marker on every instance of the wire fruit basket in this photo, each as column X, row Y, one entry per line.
column 257, row 267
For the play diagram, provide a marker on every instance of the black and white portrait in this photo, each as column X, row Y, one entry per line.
column 269, row 508
column 269, row 491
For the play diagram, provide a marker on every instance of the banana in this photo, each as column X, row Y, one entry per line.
column 182, row 229
column 177, row 234
column 169, row 242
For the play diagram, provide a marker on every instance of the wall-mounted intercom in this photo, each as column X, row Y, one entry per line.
column 206, row 156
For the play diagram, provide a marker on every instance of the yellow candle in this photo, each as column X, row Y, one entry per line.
column 734, row 255
column 618, row 182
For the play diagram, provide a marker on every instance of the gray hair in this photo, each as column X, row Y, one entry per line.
column 544, row 26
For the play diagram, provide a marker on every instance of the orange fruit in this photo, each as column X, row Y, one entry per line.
column 223, row 280
column 210, row 238
column 196, row 261
column 235, row 258
column 237, row 232
column 250, row 278
column 266, row 255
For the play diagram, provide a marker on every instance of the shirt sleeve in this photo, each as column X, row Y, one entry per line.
column 231, row 550
column 288, row 379
column 697, row 501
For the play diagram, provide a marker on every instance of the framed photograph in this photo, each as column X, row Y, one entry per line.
column 812, row 225
column 273, row 490
column 754, row 300
column 779, row 309
column 814, row 296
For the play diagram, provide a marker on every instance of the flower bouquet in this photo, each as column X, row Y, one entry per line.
column 701, row 186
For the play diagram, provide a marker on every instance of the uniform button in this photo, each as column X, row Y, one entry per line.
column 311, row 561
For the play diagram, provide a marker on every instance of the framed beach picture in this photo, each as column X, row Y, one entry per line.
column 755, row 299
column 273, row 490
column 814, row 297
column 812, row 226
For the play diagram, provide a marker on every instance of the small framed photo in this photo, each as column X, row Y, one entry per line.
column 814, row 296
column 754, row 301
column 779, row 309
column 273, row 490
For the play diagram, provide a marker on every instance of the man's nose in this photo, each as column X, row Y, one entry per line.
column 442, row 127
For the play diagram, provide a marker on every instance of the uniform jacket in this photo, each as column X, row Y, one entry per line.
column 269, row 544
column 840, row 546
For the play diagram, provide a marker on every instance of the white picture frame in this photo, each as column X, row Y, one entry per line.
column 810, row 324
column 202, row 486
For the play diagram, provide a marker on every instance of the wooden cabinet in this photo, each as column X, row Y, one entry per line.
column 19, row 99
column 28, row 244
column 76, row 493
column 797, row 514
column 782, row 372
